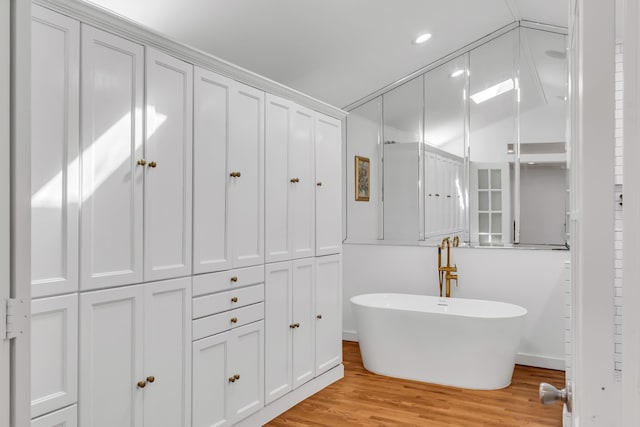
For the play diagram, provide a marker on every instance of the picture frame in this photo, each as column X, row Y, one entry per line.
column 362, row 179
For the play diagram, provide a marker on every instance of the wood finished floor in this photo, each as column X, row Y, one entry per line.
column 366, row 399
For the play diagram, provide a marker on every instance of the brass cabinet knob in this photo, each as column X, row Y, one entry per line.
column 141, row 384
column 234, row 320
column 234, row 279
column 292, row 326
column 152, row 164
column 234, row 299
column 319, row 316
column 232, row 379
column 319, row 183
column 151, row 378
column 437, row 195
column 295, row 180
column 296, row 325
column 235, row 174
column 142, row 162
column 236, row 376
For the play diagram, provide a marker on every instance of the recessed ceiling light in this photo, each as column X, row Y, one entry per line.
column 457, row 73
column 422, row 38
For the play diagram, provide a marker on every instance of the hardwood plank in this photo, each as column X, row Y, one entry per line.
column 366, row 399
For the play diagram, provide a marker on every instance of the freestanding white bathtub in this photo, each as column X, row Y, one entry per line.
column 451, row 341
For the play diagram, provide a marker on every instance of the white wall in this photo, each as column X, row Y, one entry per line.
column 530, row 278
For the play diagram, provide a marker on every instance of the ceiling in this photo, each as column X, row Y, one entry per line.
column 337, row 51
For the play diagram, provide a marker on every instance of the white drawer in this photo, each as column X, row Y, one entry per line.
column 221, row 322
column 223, row 301
column 224, row 280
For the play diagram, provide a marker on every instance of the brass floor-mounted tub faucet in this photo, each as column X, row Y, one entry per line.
column 445, row 271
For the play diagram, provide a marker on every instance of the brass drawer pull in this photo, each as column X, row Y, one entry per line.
column 236, row 376
column 235, row 174
column 232, row 379
column 141, row 384
column 152, row 164
column 295, row 180
column 234, row 299
column 319, row 316
column 319, row 183
column 234, row 279
column 151, row 378
column 142, row 162
column 234, row 320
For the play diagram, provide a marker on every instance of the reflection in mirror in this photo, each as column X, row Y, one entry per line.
column 492, row 113
column 445, row 188
column 543, row 156
column 402, row 118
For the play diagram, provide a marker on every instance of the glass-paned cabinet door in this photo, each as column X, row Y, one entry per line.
column 490, row 201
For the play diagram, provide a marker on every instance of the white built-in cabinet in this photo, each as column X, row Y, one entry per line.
column 290, row 184
column 55, row 159
column 328, row 185
column 159, row 190
column 112, row 103
column 228, row 171
column 303, row 322
column 444, row 212
column 135, row 358
column 167, row 154
column 54, row 353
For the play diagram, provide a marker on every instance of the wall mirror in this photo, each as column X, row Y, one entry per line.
column 473, row 146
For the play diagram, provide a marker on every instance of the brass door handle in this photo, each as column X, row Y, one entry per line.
column 142, row 162
column 152, row 164
column 234, row 299
column 151, row 378
column 234, row 279
column 319, row 316
column 234, row 320
column 295, row 180
column 232, row 379
column 141, row 384
column 319, row 183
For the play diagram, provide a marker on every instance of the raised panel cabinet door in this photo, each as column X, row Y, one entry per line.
column 246, row 393
column 167, row 353
column 277, row 179
column 328, row 312
column 67, row 417
column 168, row 176
column 302, row 183
column 304, row 342
column 245, row 171
column 211, row 240
column 111, row 345
column 328, row 185
column 54, row 353
column 55, row 139
column 111, row 143
column 211, row 405
column 278, row 290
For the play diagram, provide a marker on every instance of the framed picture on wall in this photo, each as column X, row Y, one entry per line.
column 363, row 183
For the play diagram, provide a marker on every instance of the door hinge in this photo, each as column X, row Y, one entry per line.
column 14, row 318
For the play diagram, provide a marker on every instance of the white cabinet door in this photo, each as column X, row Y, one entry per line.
column 289, row 181
column 328, row 312
column 246, row 393
column 111, row 143
column 304, row 321
column 302, row 184
column 210, row 381
column 246, row 186
column 111, row 345
column 54, row 353
column 431, row 189
column 277, row 179
column 211, row 240
column 278, row 330
column 67, row 417
column 55, row 80
column 328, row 186
column 167, row 353
column 167, row 200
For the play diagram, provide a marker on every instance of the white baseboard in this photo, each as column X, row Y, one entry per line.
column 540, row 361
column 291, row 399
column 350, row 336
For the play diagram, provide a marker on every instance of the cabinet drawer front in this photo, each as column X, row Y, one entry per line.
column 216, row 282
column 217, row 323
column 223, row 301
